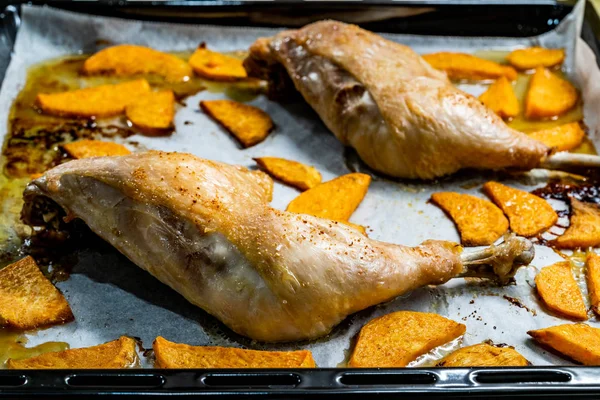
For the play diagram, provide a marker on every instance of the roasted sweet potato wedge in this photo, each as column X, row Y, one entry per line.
column 501, row 98
column 94, row 148
column 128, row 59
column 579, row 342
column 548, row 95
column 290, row 172
column 28, row 300
column 479, row 221
column 152, row 112
column 98, row 101
column 527, row 214
column 396, row 339
column 484, row 355
column 584, row 230
column 176, row 355
column 249, row 125
column 216, row 66
column 592, row 277
column 460, row 66
column 534, row 57
column 559, row 291
column 335, row 199
column 562, row 138
column 119, row 353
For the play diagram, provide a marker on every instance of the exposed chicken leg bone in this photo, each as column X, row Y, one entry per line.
column 499, row 262
column 562, row 161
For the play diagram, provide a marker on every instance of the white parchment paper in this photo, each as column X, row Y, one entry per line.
column 111, row 297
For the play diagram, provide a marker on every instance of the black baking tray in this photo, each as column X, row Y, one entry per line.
column 469, row 18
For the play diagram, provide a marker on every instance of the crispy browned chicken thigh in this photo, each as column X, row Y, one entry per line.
column 206, row 229
column 403, row 117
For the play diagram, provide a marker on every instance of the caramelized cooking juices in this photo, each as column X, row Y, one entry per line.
column 12, row 345
column 32, row 143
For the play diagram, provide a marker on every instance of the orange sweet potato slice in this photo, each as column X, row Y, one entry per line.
column 335, row 199
column 152, row 112
column 94, row 148
column 249, row 125
column 534, row 57
column 548, row 95
column 128, row 59
column 479, row 221
column 396, row 339
column 592, row 277
column 216, row 66
column 176, row 355
column 559, row 291
column 119, row 353
column 484, row 355
column 291, row 172
column 584, row 230
column 579, row 342
column 500, row 98
column 466, row 66
column 528, row 214
column 562, row 138
column 28, row 300
column 98, row 101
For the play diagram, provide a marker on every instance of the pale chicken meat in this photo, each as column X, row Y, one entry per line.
column 404, row 118
column 206, row 229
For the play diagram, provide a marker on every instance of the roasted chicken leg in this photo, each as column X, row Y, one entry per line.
column 404, row 118
column 206, row 229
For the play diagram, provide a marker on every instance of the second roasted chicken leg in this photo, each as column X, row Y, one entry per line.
column 206, row 229
column 404, row 118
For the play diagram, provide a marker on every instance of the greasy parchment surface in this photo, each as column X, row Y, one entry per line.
column 111, row 297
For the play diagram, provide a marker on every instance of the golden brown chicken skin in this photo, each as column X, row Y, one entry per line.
column 404, row 118
column 206, row 229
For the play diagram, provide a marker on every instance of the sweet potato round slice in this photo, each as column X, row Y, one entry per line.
column 291, row 172
column 152, row 112
column 128, row 59
column 94, row 148
column 584, row 230
column 216, row 66
column 27, row 298
column 562, row 138
column 396, row 339
column 176, row 355
column 249, row 125
column 501, row 98
column 559, row 291
column 479, row 221
column 548, row 95
column 335, row 199
column 534, row 57
column 98, row 101
column 484, row 355
column 119, row 353
column 592, row 277
column 528, row 214
column 579, row 342
column 466, row 66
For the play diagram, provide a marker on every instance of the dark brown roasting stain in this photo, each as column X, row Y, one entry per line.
column 517, row 302
column 563, row 190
